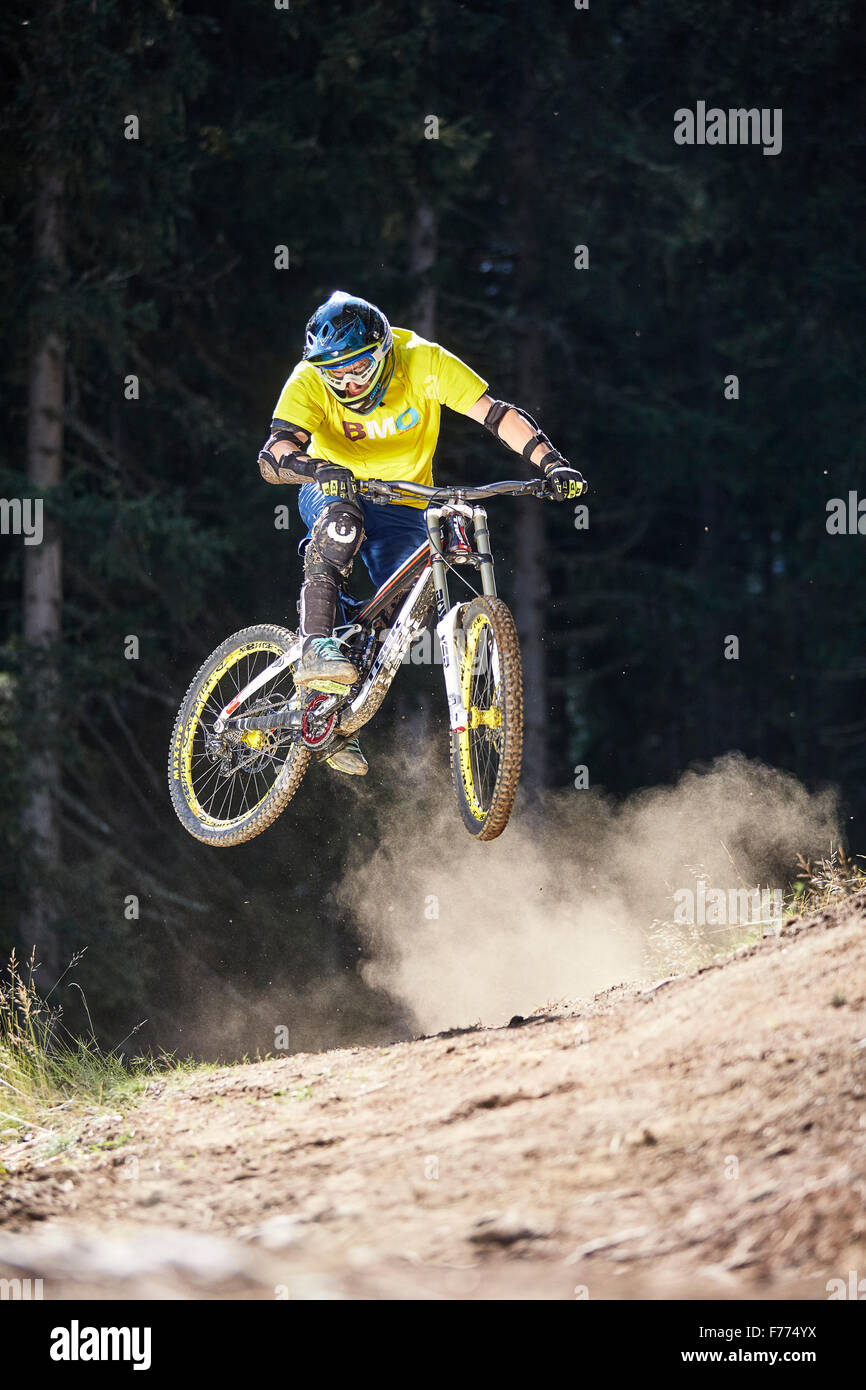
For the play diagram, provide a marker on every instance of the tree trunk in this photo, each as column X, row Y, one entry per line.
column 530, row 564
column 42, row 594
column 530, row 607
column 412, row 707
column 422, row 258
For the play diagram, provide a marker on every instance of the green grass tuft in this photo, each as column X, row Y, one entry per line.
column 52, row 1082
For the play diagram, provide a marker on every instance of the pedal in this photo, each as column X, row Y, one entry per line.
column 327, row 687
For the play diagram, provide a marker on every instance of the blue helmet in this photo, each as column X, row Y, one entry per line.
column 349, row 342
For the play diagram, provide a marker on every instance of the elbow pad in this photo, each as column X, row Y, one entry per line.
column 496, row 414
column 297, row 461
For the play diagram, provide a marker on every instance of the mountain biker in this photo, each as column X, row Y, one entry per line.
column 365, row 398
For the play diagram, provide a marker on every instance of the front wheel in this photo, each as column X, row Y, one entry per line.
column 485, row 757
column 227, row 788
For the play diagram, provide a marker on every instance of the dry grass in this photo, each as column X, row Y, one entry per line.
column 823, row 884
column 51, row 1082
column 678, row 948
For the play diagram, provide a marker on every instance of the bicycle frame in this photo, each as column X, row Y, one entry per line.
column 412, row 618
column 430, row 587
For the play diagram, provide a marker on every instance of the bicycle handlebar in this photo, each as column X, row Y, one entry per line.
column 380, row 487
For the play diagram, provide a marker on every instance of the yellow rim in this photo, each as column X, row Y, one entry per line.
column 183, row 756
column 477, row 718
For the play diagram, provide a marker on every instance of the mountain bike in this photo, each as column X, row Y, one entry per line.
column 245, row 734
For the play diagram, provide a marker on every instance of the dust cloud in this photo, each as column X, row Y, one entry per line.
column 290, row 1016
column 562, row 905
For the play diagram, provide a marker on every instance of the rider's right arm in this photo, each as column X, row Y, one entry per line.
column 299, row 412
column 284, row 458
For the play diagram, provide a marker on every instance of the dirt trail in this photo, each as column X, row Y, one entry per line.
column 699, row 1137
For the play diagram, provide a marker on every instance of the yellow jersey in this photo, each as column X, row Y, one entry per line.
column 397, row 440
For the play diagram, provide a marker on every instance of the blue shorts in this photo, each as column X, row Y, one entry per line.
column 391, row 533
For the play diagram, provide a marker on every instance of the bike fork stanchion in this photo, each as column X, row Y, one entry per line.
column 446, row 627
column 437, row 566
column 482, row 543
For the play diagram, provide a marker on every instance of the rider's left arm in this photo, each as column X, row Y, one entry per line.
column 517, row 430
column 513, row 429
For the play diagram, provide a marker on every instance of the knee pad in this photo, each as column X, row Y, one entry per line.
column 338, row 534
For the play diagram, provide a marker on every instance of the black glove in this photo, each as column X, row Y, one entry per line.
column 566, row 482
column 297, row 462
column 336, row 482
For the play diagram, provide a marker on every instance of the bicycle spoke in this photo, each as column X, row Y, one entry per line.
column 230, row 780
column 484, row 704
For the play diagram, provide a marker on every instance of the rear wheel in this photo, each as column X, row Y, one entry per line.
column 229, row 788
column 485, row 758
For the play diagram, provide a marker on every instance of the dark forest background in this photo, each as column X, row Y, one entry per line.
column 155, row 257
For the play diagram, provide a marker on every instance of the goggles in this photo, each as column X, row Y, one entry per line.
column 358, row 371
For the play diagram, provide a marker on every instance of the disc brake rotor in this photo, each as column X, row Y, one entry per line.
column 248, row 750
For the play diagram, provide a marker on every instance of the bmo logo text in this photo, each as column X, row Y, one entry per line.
column 380, row 429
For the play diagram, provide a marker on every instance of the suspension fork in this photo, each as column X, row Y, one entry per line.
column 433, row 517
column 482, row 549
column 448, row 616
column 482, row 546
